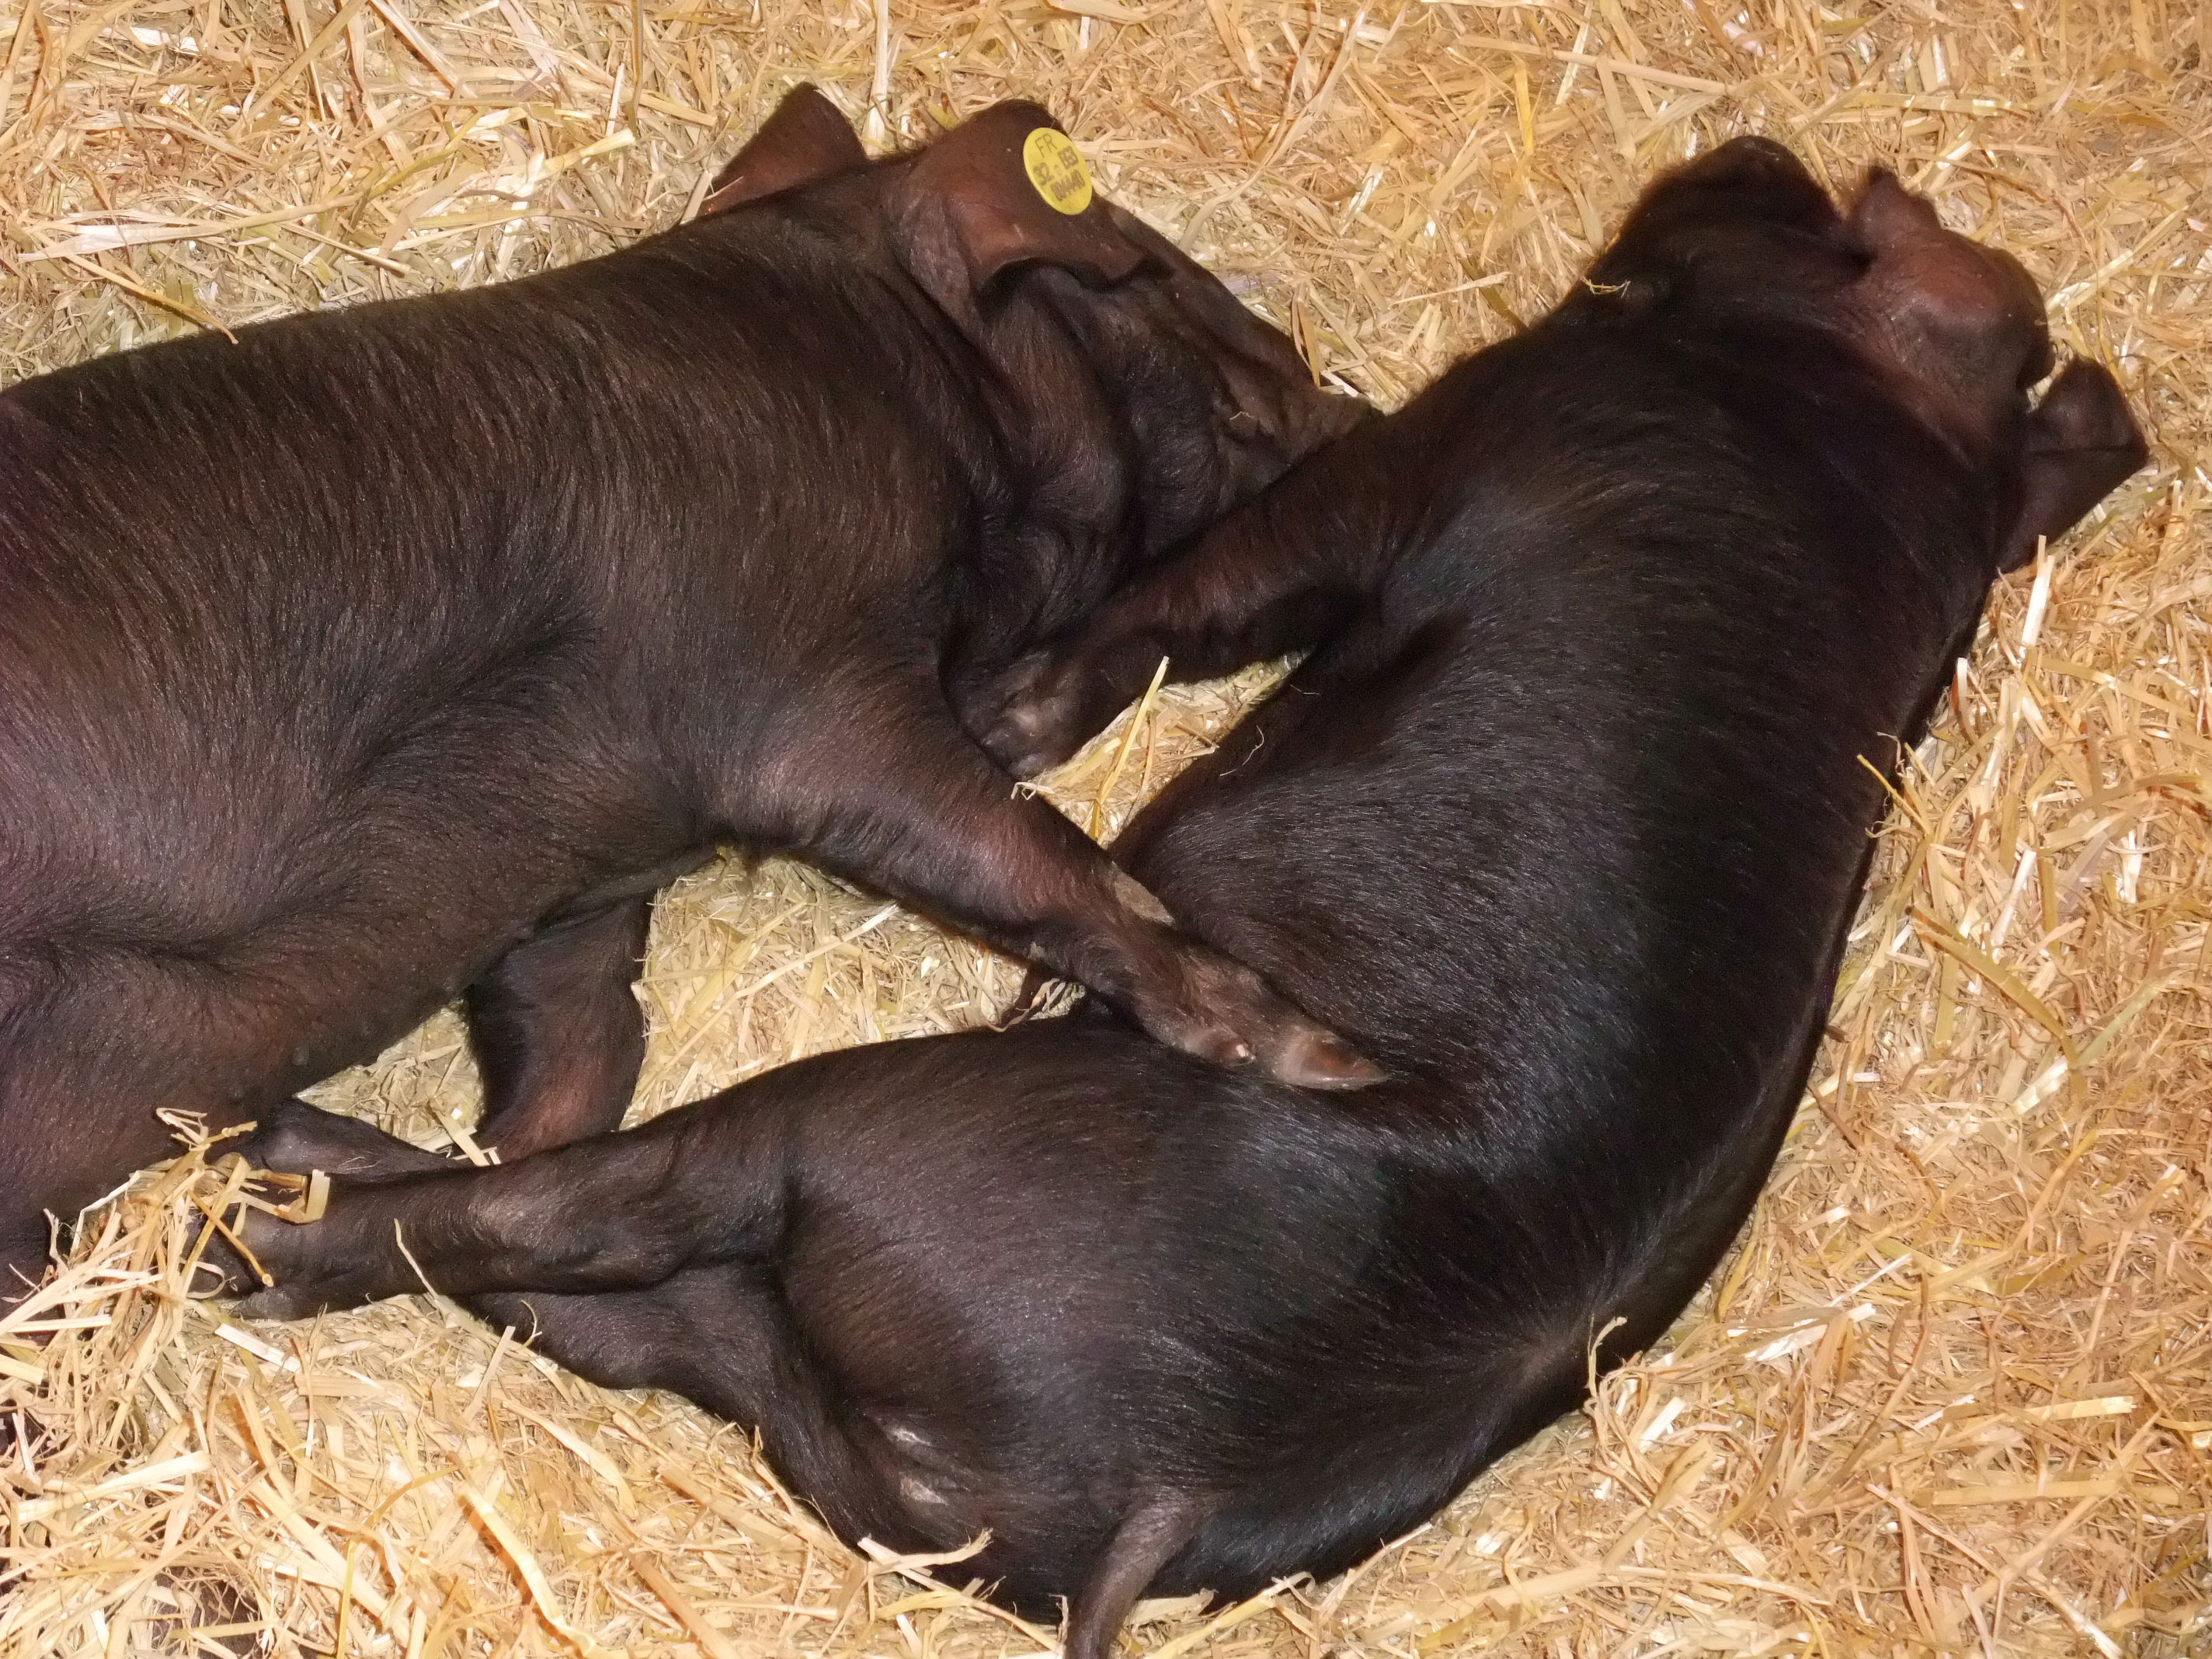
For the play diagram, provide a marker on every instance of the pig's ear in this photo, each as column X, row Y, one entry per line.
column 1953, row 312
column 806, row 139
column 2082, row 442
column 1920, row 261
column 1002, row 189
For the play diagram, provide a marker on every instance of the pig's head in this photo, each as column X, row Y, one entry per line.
column 1133, row 400
column 1955, row 330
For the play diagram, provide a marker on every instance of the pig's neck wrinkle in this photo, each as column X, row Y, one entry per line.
column 910, row 350
column 1793, row 391
column 1843, row 384
column 1845, row 350
column 972, row 416
column 1053, row 505
column 1032, row 549
column 1935, row 500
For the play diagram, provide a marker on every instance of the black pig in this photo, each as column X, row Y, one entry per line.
column 1564, row 823
column 400, row 653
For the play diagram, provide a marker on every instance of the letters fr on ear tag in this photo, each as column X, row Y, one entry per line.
column 1056, row 168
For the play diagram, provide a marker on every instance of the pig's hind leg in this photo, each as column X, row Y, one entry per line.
column 701, row 1186
column 906, row 804
column 636, row 1261
column 712, row 1330
column 644, row 1260
column 557, row 1033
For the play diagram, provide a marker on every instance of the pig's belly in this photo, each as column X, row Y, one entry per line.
column 446, row 961
column 243, row 1017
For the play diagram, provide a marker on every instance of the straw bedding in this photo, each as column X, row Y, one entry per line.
column 1950, row 1393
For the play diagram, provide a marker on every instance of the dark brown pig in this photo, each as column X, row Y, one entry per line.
column 395, row 654
column 1563, row 823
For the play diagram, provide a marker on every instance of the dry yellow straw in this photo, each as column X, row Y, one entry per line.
column 1888, row 1430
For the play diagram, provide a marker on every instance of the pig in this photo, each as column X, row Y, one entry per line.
column 1616, row 629
column 399, row 653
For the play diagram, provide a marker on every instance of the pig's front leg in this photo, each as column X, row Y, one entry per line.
column 1287, row 572
column 900, row 800
column 1051, row 702
column 557, row 1033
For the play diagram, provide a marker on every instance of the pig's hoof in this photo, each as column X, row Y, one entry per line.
column 284, row 1270
column 294, row 1137
column 1312, row 1058
column 294, row 1301
column 1217, row 1045
column 1032, row 716
column 225, row 1269
column 276, row 1266
column 1241, row 1023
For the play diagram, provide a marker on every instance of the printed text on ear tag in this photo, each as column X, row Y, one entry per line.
column 1056, row 168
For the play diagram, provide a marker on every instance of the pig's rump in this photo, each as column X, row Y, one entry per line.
column 1014, row 1282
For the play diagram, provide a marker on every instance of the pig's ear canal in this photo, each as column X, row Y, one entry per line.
column 2082, row 442
column 1003, row 189
column 804, row 140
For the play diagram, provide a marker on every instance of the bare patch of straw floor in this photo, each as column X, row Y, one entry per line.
column 1949, row 1395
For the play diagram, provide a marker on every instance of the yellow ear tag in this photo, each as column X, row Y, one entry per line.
column 1055, row 168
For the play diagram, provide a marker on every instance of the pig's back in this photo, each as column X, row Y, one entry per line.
column 374, row 579
column 286, row 637
column 1566, row 836
column 1586, row 793
column 375, row 486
